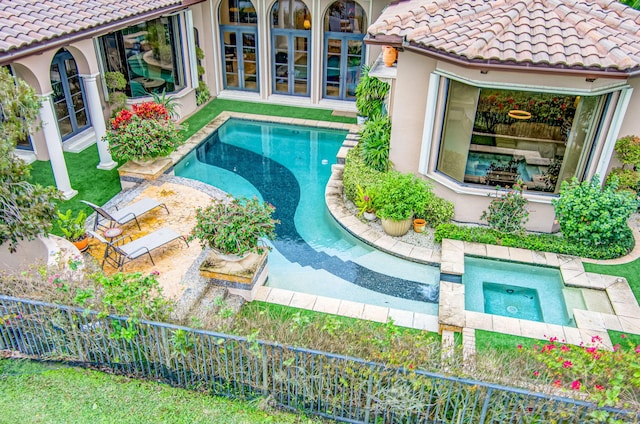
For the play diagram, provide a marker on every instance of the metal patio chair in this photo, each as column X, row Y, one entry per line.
column 126, row 214
column 117, row 253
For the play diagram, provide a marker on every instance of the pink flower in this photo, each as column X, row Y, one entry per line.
column 575, row 385
column 553, row 339
column 536, row 373
column 155, row 272
column 565, row 348
column 599, row 387
column 638, row 349
column 557, row 383
column 567, row 364
column 596, row 339
column 622, row 336
column 616, row 347
column 519, row 346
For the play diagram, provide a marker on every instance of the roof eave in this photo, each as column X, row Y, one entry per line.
column 41, row 46
column 485, row 64
column 384, row 40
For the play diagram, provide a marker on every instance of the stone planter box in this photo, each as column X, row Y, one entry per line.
column 242, row 278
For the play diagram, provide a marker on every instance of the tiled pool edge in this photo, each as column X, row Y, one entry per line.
column 626, row 317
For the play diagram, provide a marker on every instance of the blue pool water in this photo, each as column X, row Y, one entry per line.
column 289, row 166
column 514, row 289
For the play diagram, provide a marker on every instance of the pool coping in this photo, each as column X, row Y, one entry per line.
column 589, row 323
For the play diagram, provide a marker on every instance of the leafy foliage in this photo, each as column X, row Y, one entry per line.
column 398, row 196
column 73, row 227
column 145, row 133
column 235, row 225
column 438, row 211
column 357, row 173
column 538, row 242
column 375, row 141
column 593, row 215
column 364, row 200
column 27, row 210
column 628, row 150
column 370, row 94
column 507, row 212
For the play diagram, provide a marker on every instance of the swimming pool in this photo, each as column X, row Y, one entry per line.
column 289, row 166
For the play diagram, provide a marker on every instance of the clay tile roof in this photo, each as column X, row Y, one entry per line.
column 27, row 22
column 582, row 34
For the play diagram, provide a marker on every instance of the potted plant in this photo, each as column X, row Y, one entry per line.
column 143, row 134
column 398, row 196
column 364, row 202
column 235, row 226
column 73, row 228
column 370, row 95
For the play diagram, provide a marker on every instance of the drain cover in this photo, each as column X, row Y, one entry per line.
column 512, row 309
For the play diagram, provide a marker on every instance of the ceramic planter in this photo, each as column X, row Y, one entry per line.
column 419, row 225
column 369, row 216
column 396, row 228
column 389, row 55
column 81, row 245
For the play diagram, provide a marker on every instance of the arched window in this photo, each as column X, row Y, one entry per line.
column 290, row 37
column 68, row 95
column 344, row 27
column 239, row 35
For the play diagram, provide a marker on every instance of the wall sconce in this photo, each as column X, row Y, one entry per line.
column 306, row 24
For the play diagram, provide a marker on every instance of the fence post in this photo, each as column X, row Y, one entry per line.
column 75, row 336
column 367, row 406
column 485, row 406
column 265, row 373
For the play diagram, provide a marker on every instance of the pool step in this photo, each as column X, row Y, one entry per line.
column 350, row 141
column 573, row 299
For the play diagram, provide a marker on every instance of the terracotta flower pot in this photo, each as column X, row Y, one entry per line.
column 419, row 225
column 389, row 55
column 81, row 245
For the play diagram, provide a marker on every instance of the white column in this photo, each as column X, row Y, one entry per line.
column 97, row 121
column 54, row 146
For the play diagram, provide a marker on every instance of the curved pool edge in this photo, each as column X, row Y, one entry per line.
column 334, row 200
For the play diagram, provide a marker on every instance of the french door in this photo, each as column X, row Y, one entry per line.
column 290, row 62
column 68, row 95
column 240, row 49
column 344, row 55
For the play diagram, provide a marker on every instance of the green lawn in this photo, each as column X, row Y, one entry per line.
column 41, row 393
column 630, row 271
column 98, row 186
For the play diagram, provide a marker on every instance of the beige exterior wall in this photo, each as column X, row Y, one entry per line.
column 411, row 89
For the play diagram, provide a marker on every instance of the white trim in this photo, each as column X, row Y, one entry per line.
column 429, row 121
column 529, row 87
column 614, row 130
column 191, row 47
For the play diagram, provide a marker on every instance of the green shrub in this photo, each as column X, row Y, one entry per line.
column 628, row 179
column 398, row 196
column 357, row 173
column 370, row 94
column 537, row 242
column 593, row 215
column 507, row 212
column 438, row 211
column 374, row 141
column 628, row 150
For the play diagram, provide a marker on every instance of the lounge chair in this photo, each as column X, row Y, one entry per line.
column 117, row 253
column 126, row 214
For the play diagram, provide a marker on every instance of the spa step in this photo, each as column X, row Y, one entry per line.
column 573, row 299
column 597, row 301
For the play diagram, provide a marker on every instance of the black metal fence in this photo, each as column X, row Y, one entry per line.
column 332, row 386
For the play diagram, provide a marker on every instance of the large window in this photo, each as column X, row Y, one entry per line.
column 497, row 137
column 149, row 55
column 239, row 36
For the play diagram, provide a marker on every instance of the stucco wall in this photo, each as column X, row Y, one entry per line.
column 411, row 89
column 631, row 122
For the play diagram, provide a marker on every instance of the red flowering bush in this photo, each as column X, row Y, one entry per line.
column 608, row 377
column 146, row 132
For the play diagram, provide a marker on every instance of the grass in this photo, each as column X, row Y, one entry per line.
column 98, row 186
column 44, row 393
column 630, row 271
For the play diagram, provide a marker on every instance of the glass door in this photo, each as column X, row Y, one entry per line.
column 68, row 95
column 343, row 61
column 240, row 58
column 291, row 62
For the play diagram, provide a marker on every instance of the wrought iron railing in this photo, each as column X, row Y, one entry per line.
column 332, row 386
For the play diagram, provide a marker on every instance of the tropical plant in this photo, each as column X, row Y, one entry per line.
column 72, row 226
column 398, row 196
column 144, row 133
column 507, row 212
column 375, row 141
column 437, row 211
column 356, row 173
column 170, row 103
column 202, row 91
column 628, row 150
column 594, row 215
column 26, row 210
column 234, row 226
column 370, row 94
column 364, row 200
